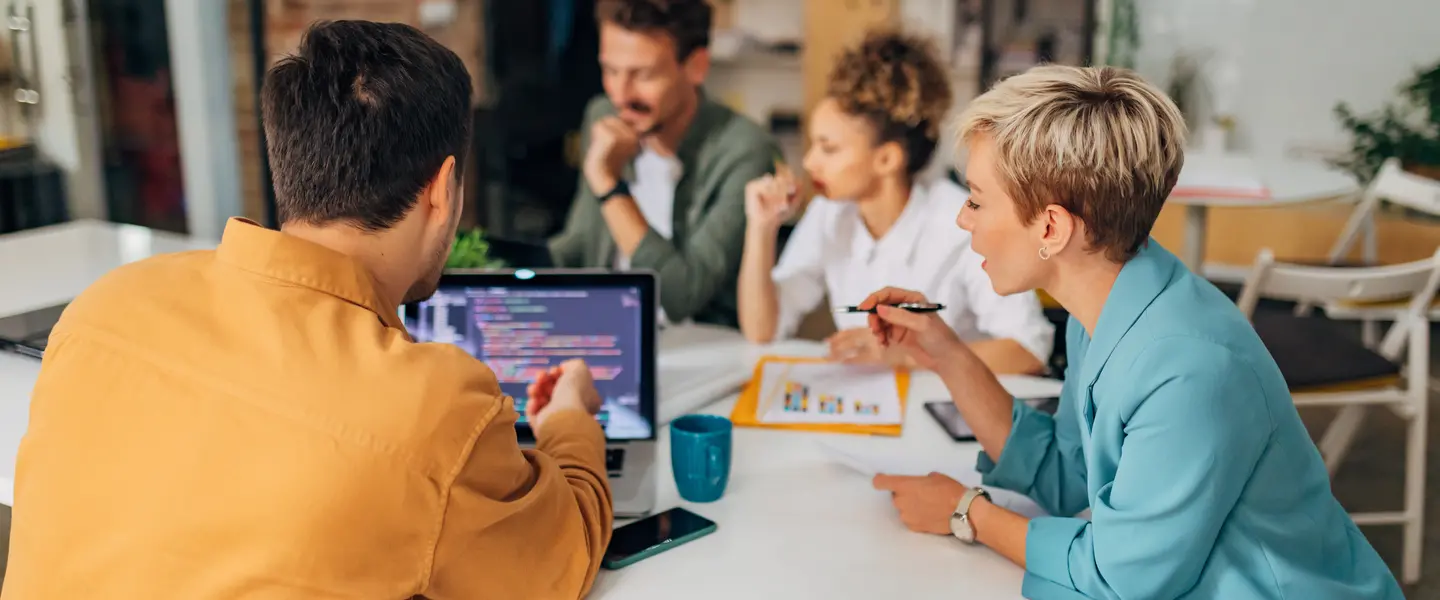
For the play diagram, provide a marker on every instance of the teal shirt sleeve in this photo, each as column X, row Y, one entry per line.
column 1196, row 429
column 1043, row 458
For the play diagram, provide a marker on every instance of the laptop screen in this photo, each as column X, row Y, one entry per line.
column 521, row 326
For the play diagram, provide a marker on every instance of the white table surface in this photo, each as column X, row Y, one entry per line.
column 1290, row 181
column 794, row 523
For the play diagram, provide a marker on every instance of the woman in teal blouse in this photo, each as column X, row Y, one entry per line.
column 1175, row 428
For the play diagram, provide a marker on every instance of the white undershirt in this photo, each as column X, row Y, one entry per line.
column 656, row 176
column 831, row 252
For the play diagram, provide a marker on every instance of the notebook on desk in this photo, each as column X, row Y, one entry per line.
column 776, row 398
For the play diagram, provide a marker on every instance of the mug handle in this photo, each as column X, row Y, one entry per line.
column 715, row 463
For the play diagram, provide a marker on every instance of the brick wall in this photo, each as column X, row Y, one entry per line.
column 285, row 22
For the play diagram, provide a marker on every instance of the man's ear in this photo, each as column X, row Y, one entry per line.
column 889, row 158
column 442, row 194
column 697, row 66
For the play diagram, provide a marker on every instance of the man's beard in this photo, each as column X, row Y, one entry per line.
column 425, row 287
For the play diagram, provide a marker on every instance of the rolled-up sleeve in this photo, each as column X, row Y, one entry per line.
column 1190, row 444
column 1042, row 459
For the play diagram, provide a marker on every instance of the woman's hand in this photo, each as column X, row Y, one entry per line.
column 769, row 202
column 855, row 345
column 926, row 502
column 923, row 336
column 859, row 346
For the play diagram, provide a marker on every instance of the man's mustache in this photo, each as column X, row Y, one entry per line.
column 643, row 109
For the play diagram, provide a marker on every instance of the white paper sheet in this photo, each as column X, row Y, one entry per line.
column 828, row 393
column 868, row 467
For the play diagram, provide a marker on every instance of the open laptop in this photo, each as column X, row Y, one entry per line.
column 28, row 333
column 521, row 322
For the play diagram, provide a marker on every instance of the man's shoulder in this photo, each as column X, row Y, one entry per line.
column 734, row 133
column 165, row 273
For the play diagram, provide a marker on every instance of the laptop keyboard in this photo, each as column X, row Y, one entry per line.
column 614, row 459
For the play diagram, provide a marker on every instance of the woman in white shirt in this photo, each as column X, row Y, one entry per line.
column 872, row 225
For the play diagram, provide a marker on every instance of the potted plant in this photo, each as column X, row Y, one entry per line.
column 1408, row 130
column 471, row 251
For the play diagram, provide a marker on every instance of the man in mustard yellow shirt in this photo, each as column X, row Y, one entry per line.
column 255, row 422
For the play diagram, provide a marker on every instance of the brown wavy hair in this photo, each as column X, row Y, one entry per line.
column 687, row 22
column 896, row 82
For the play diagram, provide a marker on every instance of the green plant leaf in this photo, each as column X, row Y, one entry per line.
column 471, row 251
column 1407, row 129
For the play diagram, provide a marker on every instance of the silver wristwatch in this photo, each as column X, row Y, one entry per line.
column 960, row 520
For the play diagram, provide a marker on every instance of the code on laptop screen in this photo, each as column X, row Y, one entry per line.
column 522, row 331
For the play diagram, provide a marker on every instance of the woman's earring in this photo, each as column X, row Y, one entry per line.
column 1044, row 253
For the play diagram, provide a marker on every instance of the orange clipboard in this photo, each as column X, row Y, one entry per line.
column 743, row 415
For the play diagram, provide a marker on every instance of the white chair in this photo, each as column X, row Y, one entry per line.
column 1344, row 372
column 1391, row 183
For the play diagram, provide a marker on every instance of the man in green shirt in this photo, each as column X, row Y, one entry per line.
column 663, row 179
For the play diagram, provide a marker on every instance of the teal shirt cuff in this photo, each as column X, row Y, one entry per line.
column 1031, row 433
column 1047, row 554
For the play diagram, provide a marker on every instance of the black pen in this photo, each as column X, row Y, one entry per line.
column 910, row 306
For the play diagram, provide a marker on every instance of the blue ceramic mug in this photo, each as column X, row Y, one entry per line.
column 700, row 456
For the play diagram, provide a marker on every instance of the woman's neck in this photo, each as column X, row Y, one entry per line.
column 1083, row 286
column 880, row 209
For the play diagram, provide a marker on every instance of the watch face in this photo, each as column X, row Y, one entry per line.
column 960, row 526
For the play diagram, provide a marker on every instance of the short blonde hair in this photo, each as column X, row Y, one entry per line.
column 1100, row 142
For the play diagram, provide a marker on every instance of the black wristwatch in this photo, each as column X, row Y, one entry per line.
column 621, row 189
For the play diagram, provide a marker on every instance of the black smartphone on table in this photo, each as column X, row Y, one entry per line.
column 654, row 534
column 949, row 418
column 945, row 413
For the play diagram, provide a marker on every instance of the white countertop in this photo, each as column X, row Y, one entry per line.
column 49, row 265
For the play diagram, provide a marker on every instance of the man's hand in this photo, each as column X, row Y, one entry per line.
column 613, row 144
column 924, row 336
column 566, row 387
column 769, row 202
column 925, row 502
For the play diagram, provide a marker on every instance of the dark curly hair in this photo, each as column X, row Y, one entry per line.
column 894, row 80
column 687, row 22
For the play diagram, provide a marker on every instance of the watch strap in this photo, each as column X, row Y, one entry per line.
column 963, row 508
column 962, row 513
column 621, row 189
